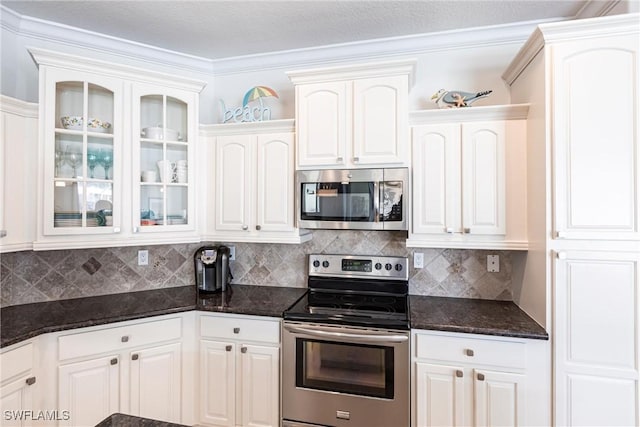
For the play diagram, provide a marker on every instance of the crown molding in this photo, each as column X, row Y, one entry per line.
column 268, row 126
column 18, row 107
column 49, row 31
column 352, row 71
column 470, row 114
column 592, row 9
column 566, row 31
column 74, row 62
column 376, row 49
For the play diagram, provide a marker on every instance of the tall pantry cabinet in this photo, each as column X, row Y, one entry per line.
column 582, row 79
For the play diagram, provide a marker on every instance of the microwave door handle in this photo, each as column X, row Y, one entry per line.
column 356, row 338
column 378, row 188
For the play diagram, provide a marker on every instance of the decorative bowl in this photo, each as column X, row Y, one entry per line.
column 97, row 125
column 156, row 133
column 72, row 122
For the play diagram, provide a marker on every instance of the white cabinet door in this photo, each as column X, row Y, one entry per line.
column 323, row 123
column 235, row 175
column 483, row 177
column 16, row 398
column 217, row 383
column 89, row 390
column 155, row 382
column 275, row 182
column 440, row 395
column 260, row 371
column 597, row 144
column 596, row 356
column 499, row 398
column 380, row 121
column 436, row 179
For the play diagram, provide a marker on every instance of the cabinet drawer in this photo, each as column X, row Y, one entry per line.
column 16, row 362
column 471, row 350
column 115, row 339
column 240, row 328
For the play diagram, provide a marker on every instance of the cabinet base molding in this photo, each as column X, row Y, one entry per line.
column 90, row 244
column 514, row 245
column 293, row 239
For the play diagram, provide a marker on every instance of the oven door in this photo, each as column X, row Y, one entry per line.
column 339, row 376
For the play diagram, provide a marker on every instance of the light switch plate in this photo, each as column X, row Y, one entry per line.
column 493, row 263
column 418, row 260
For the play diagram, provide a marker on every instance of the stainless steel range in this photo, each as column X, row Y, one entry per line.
column 345, row 356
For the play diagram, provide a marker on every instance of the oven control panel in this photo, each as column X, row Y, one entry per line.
column 381, row 267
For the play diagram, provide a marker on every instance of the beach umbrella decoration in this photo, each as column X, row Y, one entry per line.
column 257, row 92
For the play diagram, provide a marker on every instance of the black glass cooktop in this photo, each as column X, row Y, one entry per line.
column 349, row 308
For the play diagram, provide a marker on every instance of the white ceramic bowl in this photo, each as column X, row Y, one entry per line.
column 72, row 122
column 97, row 125
column 156, row 133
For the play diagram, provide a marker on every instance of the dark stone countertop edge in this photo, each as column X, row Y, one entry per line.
column 531, row 329
column 123, row 420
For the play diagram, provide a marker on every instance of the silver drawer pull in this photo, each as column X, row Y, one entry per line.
column 459, row 373
column 114, row 361
column 469, row 352
column 467, row 230
column 243, row 350
column 236, row 330
column 480, row 377
column 228, row 348
column 125, row 338
column 135, row 357
column 31, row 380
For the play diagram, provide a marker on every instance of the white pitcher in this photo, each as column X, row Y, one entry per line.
column 167, row 171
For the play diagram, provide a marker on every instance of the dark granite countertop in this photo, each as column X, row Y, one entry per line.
column 25, row 321
column 122, row 420
column 474, row 316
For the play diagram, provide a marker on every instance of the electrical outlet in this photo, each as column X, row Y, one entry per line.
column 493, row 263
column 143, row 257
column 232, row 253
column 418, row 260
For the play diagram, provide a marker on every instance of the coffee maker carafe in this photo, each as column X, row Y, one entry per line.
column 212, row 268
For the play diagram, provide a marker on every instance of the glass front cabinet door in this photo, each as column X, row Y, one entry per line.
column 163, row 160
column 82, row 154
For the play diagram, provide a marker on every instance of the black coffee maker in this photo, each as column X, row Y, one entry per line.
column 212, row 268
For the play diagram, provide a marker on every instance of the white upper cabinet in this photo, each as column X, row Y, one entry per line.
column 595, row 140
column 353, row 116
column 107, row 139
column 251, row 198
column 461, row 197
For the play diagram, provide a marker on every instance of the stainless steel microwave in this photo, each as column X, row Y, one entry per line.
column 356, row 199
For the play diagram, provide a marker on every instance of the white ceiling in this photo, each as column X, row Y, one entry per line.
column 217, row 29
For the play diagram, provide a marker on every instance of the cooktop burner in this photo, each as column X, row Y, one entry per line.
column 356, row 291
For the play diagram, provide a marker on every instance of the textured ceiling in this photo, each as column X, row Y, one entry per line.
column 221, row 29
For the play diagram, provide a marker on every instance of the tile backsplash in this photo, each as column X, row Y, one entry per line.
column 30, row 276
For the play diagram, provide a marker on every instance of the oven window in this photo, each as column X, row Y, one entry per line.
column 365, row 370
column 335, row 201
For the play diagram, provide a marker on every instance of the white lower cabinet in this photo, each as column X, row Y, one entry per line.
column 17, row 384
column 239, row 371
column 463, row 379
column 134, row 369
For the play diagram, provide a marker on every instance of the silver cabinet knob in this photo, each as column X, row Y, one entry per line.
column 236, row 330
column 135, row 357
column 561, row 255
column 114, row 361
column 480, row 377
column 228, row 348
column 245, row 227
column 561, row 234
column 3, row 233
column 459, row 373
column 125, row 338
column 258, row 227
column 31, row 380
column 466, row 230
column 116, row 229
column 469, row 352
column 243, row 350
column 339, row 159
column 356, row 159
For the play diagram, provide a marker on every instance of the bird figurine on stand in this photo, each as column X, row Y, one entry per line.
column 457, row 98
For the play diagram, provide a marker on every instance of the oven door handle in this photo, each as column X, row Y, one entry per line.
column 358, row 338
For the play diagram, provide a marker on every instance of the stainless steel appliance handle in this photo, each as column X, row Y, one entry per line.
column 377, row 188
column 358, row 338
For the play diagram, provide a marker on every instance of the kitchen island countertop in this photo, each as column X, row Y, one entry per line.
column 123, row 420
column 21, row 322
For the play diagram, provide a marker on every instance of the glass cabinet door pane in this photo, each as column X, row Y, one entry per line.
column 100, row 109
column 68, row 156
column 177, row 118
column 176, row 205
column 68, row 204
column 99, row 204
column 69, row 105
column 151, row 204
